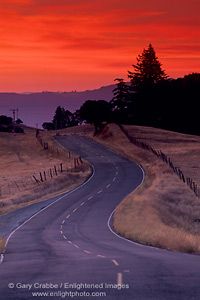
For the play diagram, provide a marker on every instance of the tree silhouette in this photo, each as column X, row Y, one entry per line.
column 120, row 102
column 147, row 71
column 95, row 112
column 59, row 118
column 5, row 124
column 4, row 120
column 48, row 126
column 70, row 119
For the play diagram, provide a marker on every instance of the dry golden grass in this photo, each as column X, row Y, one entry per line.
column 2, row 244
column 163, row 210
column 22, row 157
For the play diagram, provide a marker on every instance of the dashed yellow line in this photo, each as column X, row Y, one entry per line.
column 86, row 251
column 76, row 246
column 68, row 217
column 75, row 210
column 119, row 278
column 65, row 237
column 115, row 262
column 69, row 242
column 102, row 256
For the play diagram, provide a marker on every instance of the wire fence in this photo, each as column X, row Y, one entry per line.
column 189, row 181
column 69, row 164
column 54, row 149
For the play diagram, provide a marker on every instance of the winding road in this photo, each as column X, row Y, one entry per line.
column 68, row 249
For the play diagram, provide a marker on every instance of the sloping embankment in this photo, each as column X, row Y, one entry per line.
column 163, row 211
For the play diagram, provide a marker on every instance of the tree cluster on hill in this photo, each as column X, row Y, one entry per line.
column 150, row 98
column 62, row 119
column 7, row 125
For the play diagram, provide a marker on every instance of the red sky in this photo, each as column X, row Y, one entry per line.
column 63, row 45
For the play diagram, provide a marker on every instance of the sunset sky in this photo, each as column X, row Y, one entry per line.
column 64, row 45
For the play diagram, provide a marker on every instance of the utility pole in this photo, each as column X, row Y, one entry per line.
column 14, row 111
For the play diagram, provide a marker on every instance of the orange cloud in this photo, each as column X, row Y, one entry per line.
column 65, row 45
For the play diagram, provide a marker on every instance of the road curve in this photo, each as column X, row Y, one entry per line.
column 68, row 250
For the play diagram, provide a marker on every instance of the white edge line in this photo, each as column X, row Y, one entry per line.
column 109, row 220
column 108, row 223
column 123, row 238
column 70, row 192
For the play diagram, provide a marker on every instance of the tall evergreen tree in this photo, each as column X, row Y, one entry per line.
column 147, row 71
column 120, row 94
column 120, row 101
column 59, row 119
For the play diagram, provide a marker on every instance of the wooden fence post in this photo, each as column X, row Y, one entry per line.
column 55, row 170
column 41, row 177
column 37, row 181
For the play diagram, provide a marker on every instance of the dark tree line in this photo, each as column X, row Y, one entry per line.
column 62, row 119
column 8, row 125
column 150, row 98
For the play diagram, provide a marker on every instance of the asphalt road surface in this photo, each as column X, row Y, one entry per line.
column 68, row 250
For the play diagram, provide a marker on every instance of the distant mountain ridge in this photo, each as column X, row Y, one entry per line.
column 37, row 108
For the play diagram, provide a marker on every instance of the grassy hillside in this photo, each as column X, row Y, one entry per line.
column 164, row 211
column 22, row 161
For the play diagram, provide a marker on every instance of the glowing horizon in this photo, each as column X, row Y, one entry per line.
column 56, row 45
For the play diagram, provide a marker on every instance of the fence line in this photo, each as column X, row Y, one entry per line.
column 27, row 183
column 189, row 181
column 70, row 164
column 58, row 151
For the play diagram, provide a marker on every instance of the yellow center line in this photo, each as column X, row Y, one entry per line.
column 86, row 251
column 119, row 278
column 115, row 262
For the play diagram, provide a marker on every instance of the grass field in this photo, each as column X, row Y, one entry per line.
column 23, row 159
column 162, row 212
